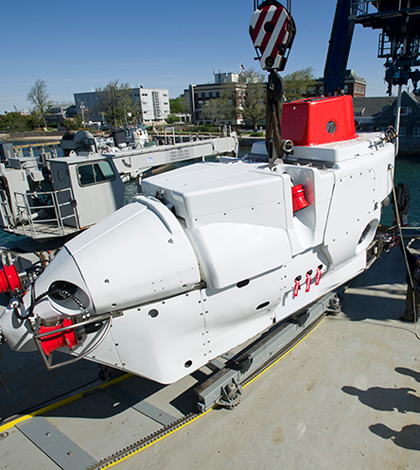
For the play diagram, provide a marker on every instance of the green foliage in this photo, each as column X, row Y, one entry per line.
column 245, row 97
column 229, row 103
column 38, row 96
column 256, row 134
column 115, row 103
column 179, row 105
column 205, row 128
column 15, row 122
column 73, row 124
column 255, row 97
column 214, row 110
column 297, row 84
column 172, row 119
column 176, row 105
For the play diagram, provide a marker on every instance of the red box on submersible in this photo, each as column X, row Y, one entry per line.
column 315, row 121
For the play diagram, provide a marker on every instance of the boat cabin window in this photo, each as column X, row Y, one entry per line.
column 97, row 172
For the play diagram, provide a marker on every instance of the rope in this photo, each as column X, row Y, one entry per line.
column 275, row 91
column 404, row 250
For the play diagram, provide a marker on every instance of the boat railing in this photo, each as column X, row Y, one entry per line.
column 170, row 137
column 44, row 151
column 42, row 213
column 5, row 210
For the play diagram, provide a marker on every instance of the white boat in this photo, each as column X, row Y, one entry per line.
column 134, row 153
column 213, row 253
column 58, row 197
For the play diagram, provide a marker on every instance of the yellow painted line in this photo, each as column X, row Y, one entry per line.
column 53, row 406
column 286, row 353
column 120, row 379
column 134, row 452
column 111, row 464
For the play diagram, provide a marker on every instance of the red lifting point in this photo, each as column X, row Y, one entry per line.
column 298, row 198
column 58, row 340
column 9, row 280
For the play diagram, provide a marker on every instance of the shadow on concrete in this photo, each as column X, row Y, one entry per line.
column 408, row 437
column 390, row 399
column 30, row 384
column 379, row 293
column 411, row 373
column 387, row 399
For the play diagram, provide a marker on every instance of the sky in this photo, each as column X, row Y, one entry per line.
column 78, row 46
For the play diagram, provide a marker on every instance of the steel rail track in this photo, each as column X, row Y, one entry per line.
column 145, row 442
column 166, row 430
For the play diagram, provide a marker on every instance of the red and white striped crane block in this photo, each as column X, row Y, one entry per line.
column 272, row 31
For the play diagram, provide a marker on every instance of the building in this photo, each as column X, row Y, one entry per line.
column 379, row 113
column 201, row 95
column 367, row 108
column 58, row 112
column 152, row 103
column 353, row 85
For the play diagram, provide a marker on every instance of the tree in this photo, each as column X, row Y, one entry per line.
column 180, row 105
column 214, row 109
column 115, row 102
column 172, row 119
column 176, row 105
column 38, row 96
column 16, row 122
column 74, row 123
column 255, row 96
column 229, row 102
column 297, row 84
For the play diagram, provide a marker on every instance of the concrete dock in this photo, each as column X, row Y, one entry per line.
column 347, row 397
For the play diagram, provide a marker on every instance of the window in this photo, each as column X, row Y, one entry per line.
column 416, row 131
column 92, row 173
column 401, row 133
column 405, row 111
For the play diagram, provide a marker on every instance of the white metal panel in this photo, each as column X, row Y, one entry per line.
column 353, row 208
column 236, row 314
column 152, row 256
column 229, row 253
column 333, row 152
column 163, row 341
column 210, row 193
column 353, row 199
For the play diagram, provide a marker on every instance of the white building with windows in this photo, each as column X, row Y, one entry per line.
column 153, row 104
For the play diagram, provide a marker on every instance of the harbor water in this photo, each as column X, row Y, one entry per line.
column 407, row 171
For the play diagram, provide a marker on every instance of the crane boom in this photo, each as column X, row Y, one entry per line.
column 339, row 47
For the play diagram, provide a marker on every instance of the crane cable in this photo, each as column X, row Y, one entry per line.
column 404, row 250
